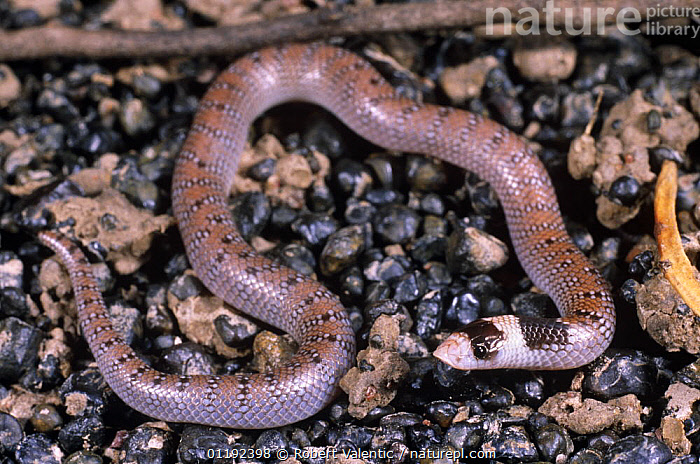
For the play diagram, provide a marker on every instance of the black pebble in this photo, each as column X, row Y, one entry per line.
column 20, row 349
column 148, row 444
column 622, row 372
column 251, row 212
column 624, row 190
column 84, row 431
column 639, row 448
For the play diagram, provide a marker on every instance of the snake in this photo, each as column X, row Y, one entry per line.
column 351, row 89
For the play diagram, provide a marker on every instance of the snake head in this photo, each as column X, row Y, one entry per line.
column 475, row 346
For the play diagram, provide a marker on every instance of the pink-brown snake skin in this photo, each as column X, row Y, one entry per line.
column 351, row 89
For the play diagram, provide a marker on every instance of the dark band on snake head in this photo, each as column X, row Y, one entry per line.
column 485, row 338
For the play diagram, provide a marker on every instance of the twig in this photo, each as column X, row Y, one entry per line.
column 594, row 116
column 46, row 42
column 677, row 267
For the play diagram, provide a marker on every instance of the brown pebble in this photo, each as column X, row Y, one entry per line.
column 545, row 59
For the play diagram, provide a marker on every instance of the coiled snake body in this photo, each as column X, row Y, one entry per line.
column 352, row 90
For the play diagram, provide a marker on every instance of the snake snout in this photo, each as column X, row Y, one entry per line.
column 456, row 352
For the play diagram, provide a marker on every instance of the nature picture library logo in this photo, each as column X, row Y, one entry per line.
column 588, row 21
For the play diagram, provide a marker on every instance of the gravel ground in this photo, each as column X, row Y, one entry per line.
column 414, row 248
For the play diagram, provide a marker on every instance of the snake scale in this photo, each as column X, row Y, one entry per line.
column 351, row 89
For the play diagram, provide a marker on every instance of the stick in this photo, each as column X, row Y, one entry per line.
column 43, row 42
column 677, row 268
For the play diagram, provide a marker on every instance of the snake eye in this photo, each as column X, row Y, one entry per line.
column 480, row 351
column 485, row 338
